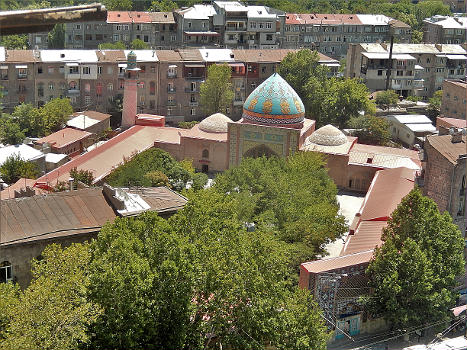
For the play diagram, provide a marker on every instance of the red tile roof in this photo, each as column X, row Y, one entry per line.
column 118, row 17
column 64, row 137
column 321, row 18
column 451, row 122
column 21, row 184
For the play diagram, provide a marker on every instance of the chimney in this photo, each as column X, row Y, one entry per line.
column 456, row 135
column 70, row 182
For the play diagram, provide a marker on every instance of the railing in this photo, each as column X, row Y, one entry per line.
column 73, row 91
column 22, row 75
column 194, row 103
column 189, row 89
column 171, row 75
column 171, row 90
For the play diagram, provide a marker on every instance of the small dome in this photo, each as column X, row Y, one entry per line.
column 131, row 60
column 215, row 123
column 328, row 135
column 274, row 102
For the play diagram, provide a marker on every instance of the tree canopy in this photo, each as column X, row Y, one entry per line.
column 371, row 130
column 414, row 271
column 216, row 93
column 15, row 168
column 386, row 99
column 328, row 100
column 434, row 106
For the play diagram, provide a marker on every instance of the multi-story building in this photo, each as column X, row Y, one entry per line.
column 445, row 30
column 331, row 34
column 456, row 6
column 168, row 81
column 445, row 174
column 454, row 102
column 417, row 69
column 196, row 26
column 156, row 29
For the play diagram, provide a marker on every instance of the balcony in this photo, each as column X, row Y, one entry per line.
column 171, row 75
column 418, row 84
column 191, row 90
column 171, row 90
column 194, row 103
column 171, row 103
column 73, row 91
column 22, row 76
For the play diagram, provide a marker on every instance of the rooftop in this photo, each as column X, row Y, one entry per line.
column 143, row 55
column 451, row 122
column 411, row 118
column 84, row 56
column 384, row 157
column 198, row 11
column 328, row 264
column 19, row 185
column 24, row 151
column 93, row 115
column 64, row 137
column 444, row 145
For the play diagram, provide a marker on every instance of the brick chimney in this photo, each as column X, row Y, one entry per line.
column 456, row 135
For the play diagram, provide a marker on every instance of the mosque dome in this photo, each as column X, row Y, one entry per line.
column 328, row 135
column 215, row 123
column 274, row 102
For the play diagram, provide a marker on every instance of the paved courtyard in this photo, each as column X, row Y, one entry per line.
column 350, row 203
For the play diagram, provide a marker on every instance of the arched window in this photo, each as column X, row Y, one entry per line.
column 205, row 153
column 6, row 274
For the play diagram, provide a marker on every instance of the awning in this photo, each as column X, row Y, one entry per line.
column 4, row 67
column 72, row 64
column 122, row 65
column 202, row 33
column 236, row 64
column 21, row 67
column 417, row 66
column 194, row 65
column 456, row 57
column 173, row 66
column 332, row 64
column 385, row 55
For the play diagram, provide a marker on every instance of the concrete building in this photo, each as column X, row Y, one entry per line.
column 196, row 26
column 445, row 174
column 445, row 30
column 456, row 6
column 410, row 129
column 67, row 141
column 331, row 34
column 420, row 71
column 454, row 102
column 68, row 217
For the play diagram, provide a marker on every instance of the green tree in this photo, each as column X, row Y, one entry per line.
column 52, row 312
column 55, row 114
column 414, row 271
column 138, row 44
column 118, row 5
column 328, row 100
column 29, row 119
column 163, row 6
column 12, row 42
column 216, row 93
column 386, row 99
column 187, row 125
column 199, row 181
column 112, row 46
column 434, row 106
column 57, row 37
column 157, row 178
column 371, row 130
column 15, row 168
column 10, row 132
column 84, row 176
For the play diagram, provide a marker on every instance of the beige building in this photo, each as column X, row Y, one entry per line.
column 454, row 102
column 430, row 65
column 410, row 129
column 445, row 30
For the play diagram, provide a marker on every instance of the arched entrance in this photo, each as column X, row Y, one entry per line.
column 260, row 151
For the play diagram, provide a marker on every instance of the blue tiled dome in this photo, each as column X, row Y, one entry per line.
column 274, row 102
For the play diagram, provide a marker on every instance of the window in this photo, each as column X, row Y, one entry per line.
column 86, row 70
column 231, row 37
column 61, row 69
column 193, row 111
column 153, row 69
column 72, row 85
column 126, row 37
column 116, row 37
column 99, row 70
column 268, row 37
column 99, row 89
column 261, row 25
column 263, row 69
column 192, row 98
column 51, row 86
column 205, row 153
column 78, row 26
column 109, row 70
column 380, row 72
column 110, row 87
column 152, row 88
column 252, row 24
column 5, row 272
column 146, row 38
column 87, row 100
column 143, row 69
column 88, row 37
column 99, row 37
column 141, row 84
column 204, row 24
column 189, row 24
column 173, row 37
column 50, row 70
column 119, row 27
column 73, row 70
column 121, row 84
column 169, row 111
column 268, row 25
column 40, row 90
column 126, row 27
column 87, row 87
column 39, row 70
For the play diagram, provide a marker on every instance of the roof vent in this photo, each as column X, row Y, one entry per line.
column 138, row 15
column 232, row 55
column 207, row 54
column 62, row 55
column 118, row 15
column 260, row 12
column 165, row 16
column 325, row 17
column 351, row 17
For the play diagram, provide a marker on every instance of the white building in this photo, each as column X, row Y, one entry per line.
column 410, row 129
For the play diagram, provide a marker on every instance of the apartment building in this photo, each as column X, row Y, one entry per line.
column 416, row 69
column 196, row 26
column 331, row 34
column 456, row 6
column 454, row 102
column 168, row 81
column 445, row 30
column 156, row 29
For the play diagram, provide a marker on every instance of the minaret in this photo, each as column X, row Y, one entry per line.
column 130, row 92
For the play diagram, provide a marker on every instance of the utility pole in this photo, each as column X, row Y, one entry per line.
column 388, row 72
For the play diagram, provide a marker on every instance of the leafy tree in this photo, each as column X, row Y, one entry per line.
column 199, row 181
column 10, row 132
column 112, row 46
column 84, row 176
column 157, row 178
column 434, row 106
column 327, row 100
column 118, row 5
column 371, row 130
column 57, row 37
column 187, row 125
column 29, row 119
column 274, row 193
column 216, row 93
column 163, row 6
column 138, row 44
column 15, row 168
column 55, row 114
column 52, row 313
column 387, row 98
column 11, row 42
column 414, row 271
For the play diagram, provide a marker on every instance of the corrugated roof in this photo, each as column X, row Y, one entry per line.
column 93, row 115
column 367, row 236
column 64, row 137
column 443, row 144
column 110, row 55
column 411, row 118
column 191, row 55
column 337, row 262
column 24, row 151
column 70, row 213
column 162, row 17
column 20, row 56
column 451, row 122
column 118, row 17
column 168, row 56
